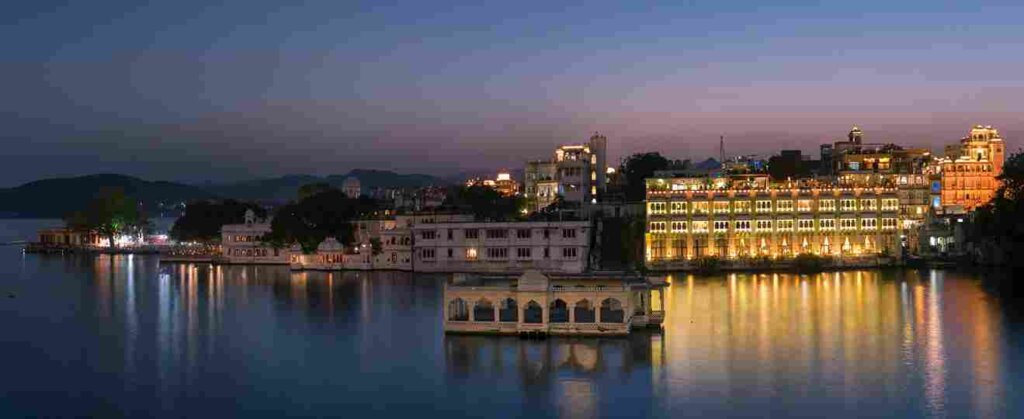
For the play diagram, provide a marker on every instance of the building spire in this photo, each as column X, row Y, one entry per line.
column 721, row 149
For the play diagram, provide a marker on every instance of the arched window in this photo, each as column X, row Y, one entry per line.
column 457, row 310
column 533, row 313
column 483, row 311
column 559, row 312
column 509, row 311
column 583, row 312
column 611, row 311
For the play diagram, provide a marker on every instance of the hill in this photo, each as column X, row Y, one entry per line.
column 282, row 189
column 54, row 198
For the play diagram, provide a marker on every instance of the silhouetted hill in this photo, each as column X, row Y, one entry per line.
column 54, row 198
column 285, row 188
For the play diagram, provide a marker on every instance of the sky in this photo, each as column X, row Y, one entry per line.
column 223, row 90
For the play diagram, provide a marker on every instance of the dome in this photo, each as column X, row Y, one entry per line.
column 330, row 244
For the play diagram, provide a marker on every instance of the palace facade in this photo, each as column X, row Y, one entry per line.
column 970, row 170
column 746, row 220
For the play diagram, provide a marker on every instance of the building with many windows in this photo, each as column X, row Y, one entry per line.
column 750, row 220
column 577, row 173
column 241, row 243
column 501, row 247
column 970, row 169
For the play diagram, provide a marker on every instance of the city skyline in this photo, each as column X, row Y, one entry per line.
column 190, row 92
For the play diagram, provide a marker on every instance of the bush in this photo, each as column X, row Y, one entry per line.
column 807, row 262
column 708, row 264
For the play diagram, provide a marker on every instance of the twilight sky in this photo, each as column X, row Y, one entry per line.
column 233, row 89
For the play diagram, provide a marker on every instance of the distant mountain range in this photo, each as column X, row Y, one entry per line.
column 53, row 198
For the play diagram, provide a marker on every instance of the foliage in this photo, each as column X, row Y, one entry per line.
column 203, row 220
column 638, row 167
column 310, row 189
column 484, row 203
column 375, row 246
column 996, row 230
column 761, row 262
column 807, row 262
column 110, row 214
column 708, row 264
column 311, row 220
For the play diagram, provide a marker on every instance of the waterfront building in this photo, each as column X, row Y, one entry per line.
column 747, row 220
column 598, row 304
column 912, row 171
column 393, row 234
column 70, row 238
column 351, row 187
column 501, row 247
column 577, row 171
column 969, row 171
column 242, row 243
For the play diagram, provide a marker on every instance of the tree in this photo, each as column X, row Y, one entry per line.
column 639, row 167
column 203, row 220
column 485, row 203
column 314, row 218
column 376, row 247
column 310, row 189
column 110, row 214
column 997, row 228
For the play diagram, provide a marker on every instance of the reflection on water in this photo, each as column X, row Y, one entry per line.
column 131, row 336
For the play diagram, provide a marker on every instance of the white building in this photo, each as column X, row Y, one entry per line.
column 504, row 247
column 351, row 187
column 240, row 243
column 578, row 173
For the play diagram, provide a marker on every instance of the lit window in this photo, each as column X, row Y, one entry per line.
column 721, row 226
column 803, row 205
column 699, row 207
column 868, row 223
column 743, row 225
column 848, row 204
column 847, row 224
column 656, row 207
column 699, row 226
column 764, row 225
column 678, row 226
column 784, row 205
column 677, row 208
column 763, row 206
column 828, row 205
column 721, row 207
column 827, row 224
column 657, row 227
column 741, row 207
column 868, row 204
column 784, row 225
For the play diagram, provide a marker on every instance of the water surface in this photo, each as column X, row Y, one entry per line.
column 125, row 336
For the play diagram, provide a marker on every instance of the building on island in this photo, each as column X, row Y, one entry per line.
column 559, row 305
column 969, row 170
column 242, row 243
column 502, row 247
column 748, row 220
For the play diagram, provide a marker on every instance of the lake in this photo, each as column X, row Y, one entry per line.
column 114, row 336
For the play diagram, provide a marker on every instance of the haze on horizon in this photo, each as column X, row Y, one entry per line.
column 233, row 89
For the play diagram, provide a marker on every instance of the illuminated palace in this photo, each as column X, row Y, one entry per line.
column 743, row 220
column 970, row 169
